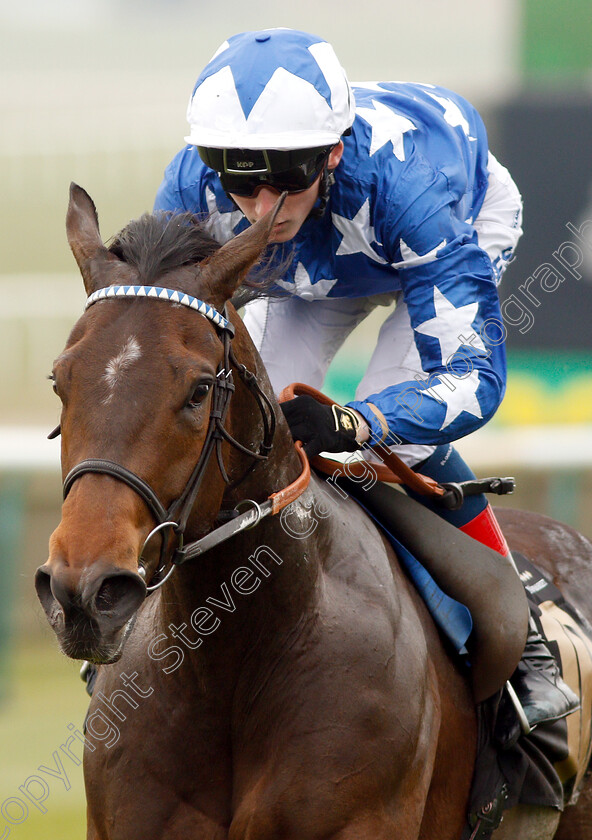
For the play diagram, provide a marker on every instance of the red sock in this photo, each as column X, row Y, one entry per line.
column 485, row 528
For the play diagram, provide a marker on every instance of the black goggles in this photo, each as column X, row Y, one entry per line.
column 243, row 171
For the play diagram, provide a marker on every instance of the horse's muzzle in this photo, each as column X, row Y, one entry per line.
column 90, row 610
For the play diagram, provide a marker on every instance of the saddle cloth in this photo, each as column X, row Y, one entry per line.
column 451, row 617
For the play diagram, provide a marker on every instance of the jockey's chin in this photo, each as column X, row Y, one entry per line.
column 291, row 217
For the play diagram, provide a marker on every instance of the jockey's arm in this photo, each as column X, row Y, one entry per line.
column 449, row 288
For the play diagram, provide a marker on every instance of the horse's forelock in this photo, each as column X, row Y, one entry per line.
column 159, row 243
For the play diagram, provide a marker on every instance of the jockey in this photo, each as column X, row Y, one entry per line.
column 392, row 197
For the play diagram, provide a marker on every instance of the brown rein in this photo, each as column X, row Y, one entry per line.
column 392, row 470
column 289, row 494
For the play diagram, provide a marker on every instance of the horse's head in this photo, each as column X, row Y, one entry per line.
column 137, row 384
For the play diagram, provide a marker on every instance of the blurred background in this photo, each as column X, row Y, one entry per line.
column 95, row 91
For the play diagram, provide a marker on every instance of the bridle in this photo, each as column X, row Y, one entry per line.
column 177, row 514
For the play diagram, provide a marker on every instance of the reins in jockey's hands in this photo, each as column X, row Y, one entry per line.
column 324, row 428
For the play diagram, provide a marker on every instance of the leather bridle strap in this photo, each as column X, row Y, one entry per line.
column 250, row 518
column 222, row 391
column 105, row 467
column 272, row 506
column 179, row 511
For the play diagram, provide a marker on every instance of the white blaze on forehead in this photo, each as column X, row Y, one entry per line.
column 116, row 367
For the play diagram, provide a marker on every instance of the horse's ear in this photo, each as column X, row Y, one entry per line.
column 82, row 227
column 225, row 270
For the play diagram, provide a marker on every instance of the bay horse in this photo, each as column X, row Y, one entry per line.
column 276, row 686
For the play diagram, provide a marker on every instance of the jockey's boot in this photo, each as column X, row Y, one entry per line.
column 541, row 691
column 543, row 694
column 536, row 681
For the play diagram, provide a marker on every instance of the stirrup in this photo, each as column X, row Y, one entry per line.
column 519, row 709
column 545, row 694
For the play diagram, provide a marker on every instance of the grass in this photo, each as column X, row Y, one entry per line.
column 43, row 696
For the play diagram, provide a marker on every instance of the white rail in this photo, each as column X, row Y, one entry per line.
column 26, row 449
column 533, row 447
column 537, row 448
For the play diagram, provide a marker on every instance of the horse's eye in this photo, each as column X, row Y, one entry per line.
column 200, row 391
column 52, row 379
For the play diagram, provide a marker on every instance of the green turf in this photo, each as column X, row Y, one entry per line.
column 44, row 696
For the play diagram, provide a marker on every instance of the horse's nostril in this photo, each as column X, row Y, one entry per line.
column 119, row 596
column 43, row 588
column 110, row 592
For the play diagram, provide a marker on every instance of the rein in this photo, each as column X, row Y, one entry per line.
column 178, row 513
column 392, row 469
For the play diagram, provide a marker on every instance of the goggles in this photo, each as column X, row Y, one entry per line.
column 243, row 171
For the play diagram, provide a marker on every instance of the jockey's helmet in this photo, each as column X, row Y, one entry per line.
column 268, row 108
column 277, row 89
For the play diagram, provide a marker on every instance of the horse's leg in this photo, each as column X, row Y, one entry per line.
column 576, row 822
column 369, row 787
column 351, row 754
column 91, row 830
column 440, row 813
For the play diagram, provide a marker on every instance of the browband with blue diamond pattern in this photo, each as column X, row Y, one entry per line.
column 159, row 293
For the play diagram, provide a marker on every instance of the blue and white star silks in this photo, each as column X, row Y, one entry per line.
column 409, row 258
column 452, row 326
column 452, row 114
column 413, row 171
column 386, row 125
column 358, row 234
column 303, row 287
column 458, row 395
column 221, row 226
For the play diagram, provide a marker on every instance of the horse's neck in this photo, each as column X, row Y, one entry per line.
column 261, row 582
column 257, row 578
column 248, row 600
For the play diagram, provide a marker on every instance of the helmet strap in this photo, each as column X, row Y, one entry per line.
column 325, row 184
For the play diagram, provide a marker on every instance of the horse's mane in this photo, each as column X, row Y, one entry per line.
column 157, row 243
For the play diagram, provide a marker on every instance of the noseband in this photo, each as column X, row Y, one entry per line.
column 177, row 514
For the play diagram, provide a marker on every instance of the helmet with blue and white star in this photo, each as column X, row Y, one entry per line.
column 273, row 89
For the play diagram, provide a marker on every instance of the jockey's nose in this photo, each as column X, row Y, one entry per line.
column 265, row 198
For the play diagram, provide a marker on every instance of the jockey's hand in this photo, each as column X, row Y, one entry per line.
column 324, row 428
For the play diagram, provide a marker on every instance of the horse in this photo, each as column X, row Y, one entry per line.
column 255, row 681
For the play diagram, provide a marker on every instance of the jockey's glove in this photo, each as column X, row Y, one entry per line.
column 323, row 428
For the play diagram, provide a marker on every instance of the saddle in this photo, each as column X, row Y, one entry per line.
column 544, row 768
column 476, row 598
column 468, row 572
column 471, row 574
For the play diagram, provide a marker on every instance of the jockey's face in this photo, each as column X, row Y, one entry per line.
column 295, row 208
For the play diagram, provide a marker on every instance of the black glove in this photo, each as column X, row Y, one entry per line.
column 321, row 428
